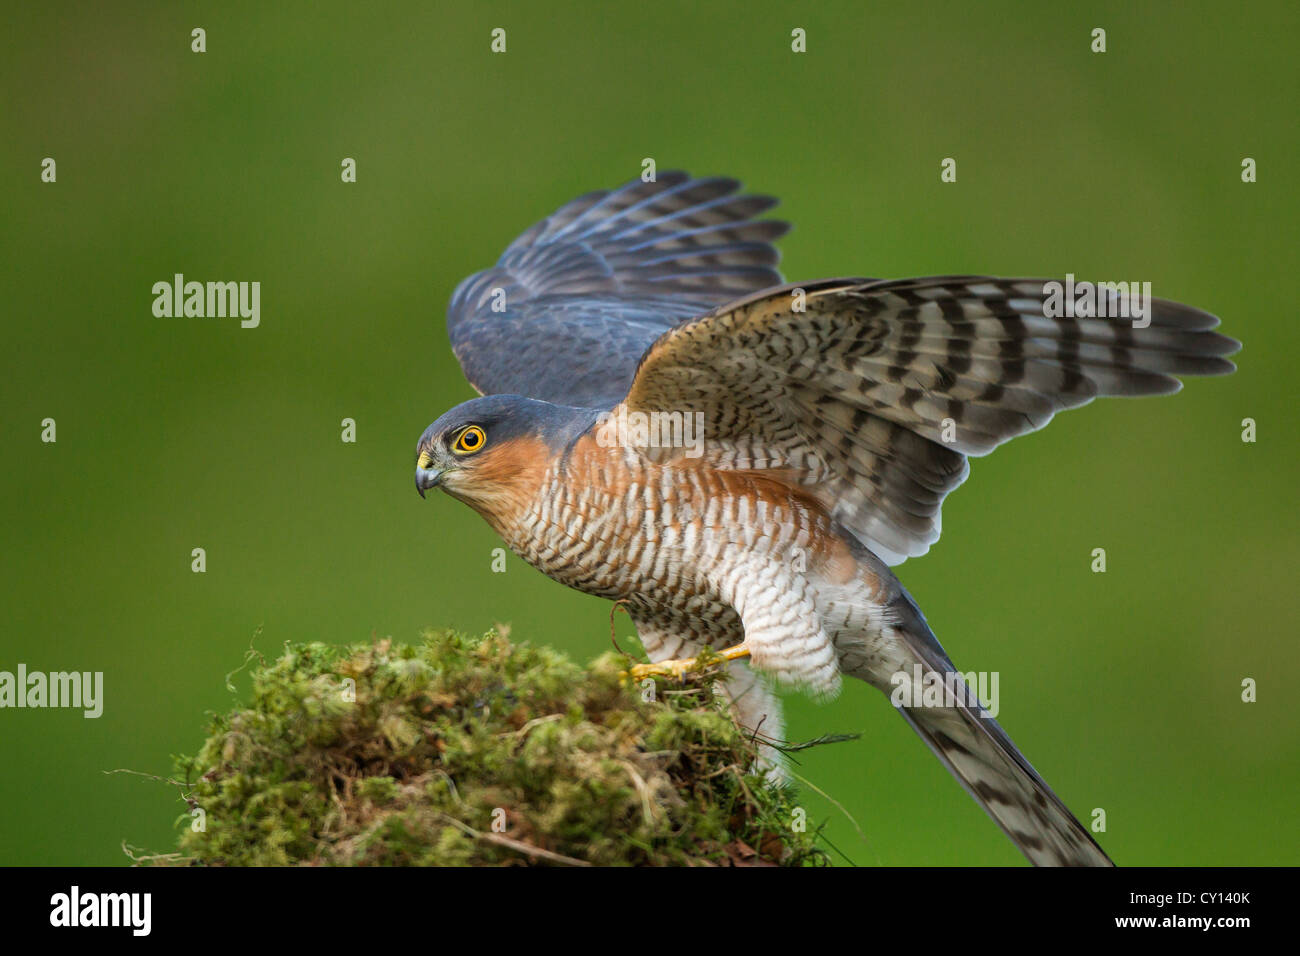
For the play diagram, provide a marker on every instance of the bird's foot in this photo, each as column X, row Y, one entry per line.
column 678, row 669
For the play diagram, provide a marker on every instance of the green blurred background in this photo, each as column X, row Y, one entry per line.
column 1123, row 688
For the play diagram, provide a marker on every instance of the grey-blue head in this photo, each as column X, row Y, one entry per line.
column 480, row 449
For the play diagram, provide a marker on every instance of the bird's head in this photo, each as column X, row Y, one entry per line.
column 491, row 452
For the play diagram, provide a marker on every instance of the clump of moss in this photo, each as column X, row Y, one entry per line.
column 462, row 751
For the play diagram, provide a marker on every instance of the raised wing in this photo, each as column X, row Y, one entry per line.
column 567, row 312
column 877, row 391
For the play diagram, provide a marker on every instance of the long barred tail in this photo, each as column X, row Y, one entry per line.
column 978, row 752
column 970, row 743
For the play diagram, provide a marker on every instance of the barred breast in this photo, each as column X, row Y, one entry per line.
column 610, row 521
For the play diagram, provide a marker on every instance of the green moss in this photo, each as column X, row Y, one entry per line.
column 461, row 751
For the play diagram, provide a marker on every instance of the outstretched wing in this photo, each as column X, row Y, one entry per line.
column 567, row 312
column 875, row 392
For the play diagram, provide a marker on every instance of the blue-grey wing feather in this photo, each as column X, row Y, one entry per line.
column 567, row 312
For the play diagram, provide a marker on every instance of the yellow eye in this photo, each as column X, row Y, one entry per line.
column 469, row 441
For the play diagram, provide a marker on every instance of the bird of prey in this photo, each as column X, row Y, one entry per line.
column 832, row 418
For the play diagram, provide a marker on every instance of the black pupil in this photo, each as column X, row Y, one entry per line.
column 470, row 439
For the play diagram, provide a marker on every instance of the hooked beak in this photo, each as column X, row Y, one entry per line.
column 427, row 475
column 426, row 478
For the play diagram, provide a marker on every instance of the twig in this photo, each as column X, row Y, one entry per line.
column 808, row 783
column 647, row 810
column 517, row 845
column 816, row 742
column 613, row 637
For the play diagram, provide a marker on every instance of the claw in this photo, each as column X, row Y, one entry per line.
column 678, row 669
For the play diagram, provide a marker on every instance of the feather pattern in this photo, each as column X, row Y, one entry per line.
column 572, row 304
column 877, row 391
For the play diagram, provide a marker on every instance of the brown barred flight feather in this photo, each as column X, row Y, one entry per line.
column 878, row 390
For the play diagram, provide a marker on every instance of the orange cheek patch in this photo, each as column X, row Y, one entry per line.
column 520, row 461
column 504, row 479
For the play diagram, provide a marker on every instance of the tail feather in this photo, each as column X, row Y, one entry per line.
column 987, row 764
column 978, row 752
column 962, row 734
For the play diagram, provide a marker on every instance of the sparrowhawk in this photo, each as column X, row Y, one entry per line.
column 833, row 419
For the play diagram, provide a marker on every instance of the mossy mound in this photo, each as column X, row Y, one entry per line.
column 462, row 751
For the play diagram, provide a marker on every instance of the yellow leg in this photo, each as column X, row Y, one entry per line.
column 679, row 668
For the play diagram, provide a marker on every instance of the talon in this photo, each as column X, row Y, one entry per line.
column 672, row 669
column 678, row 669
